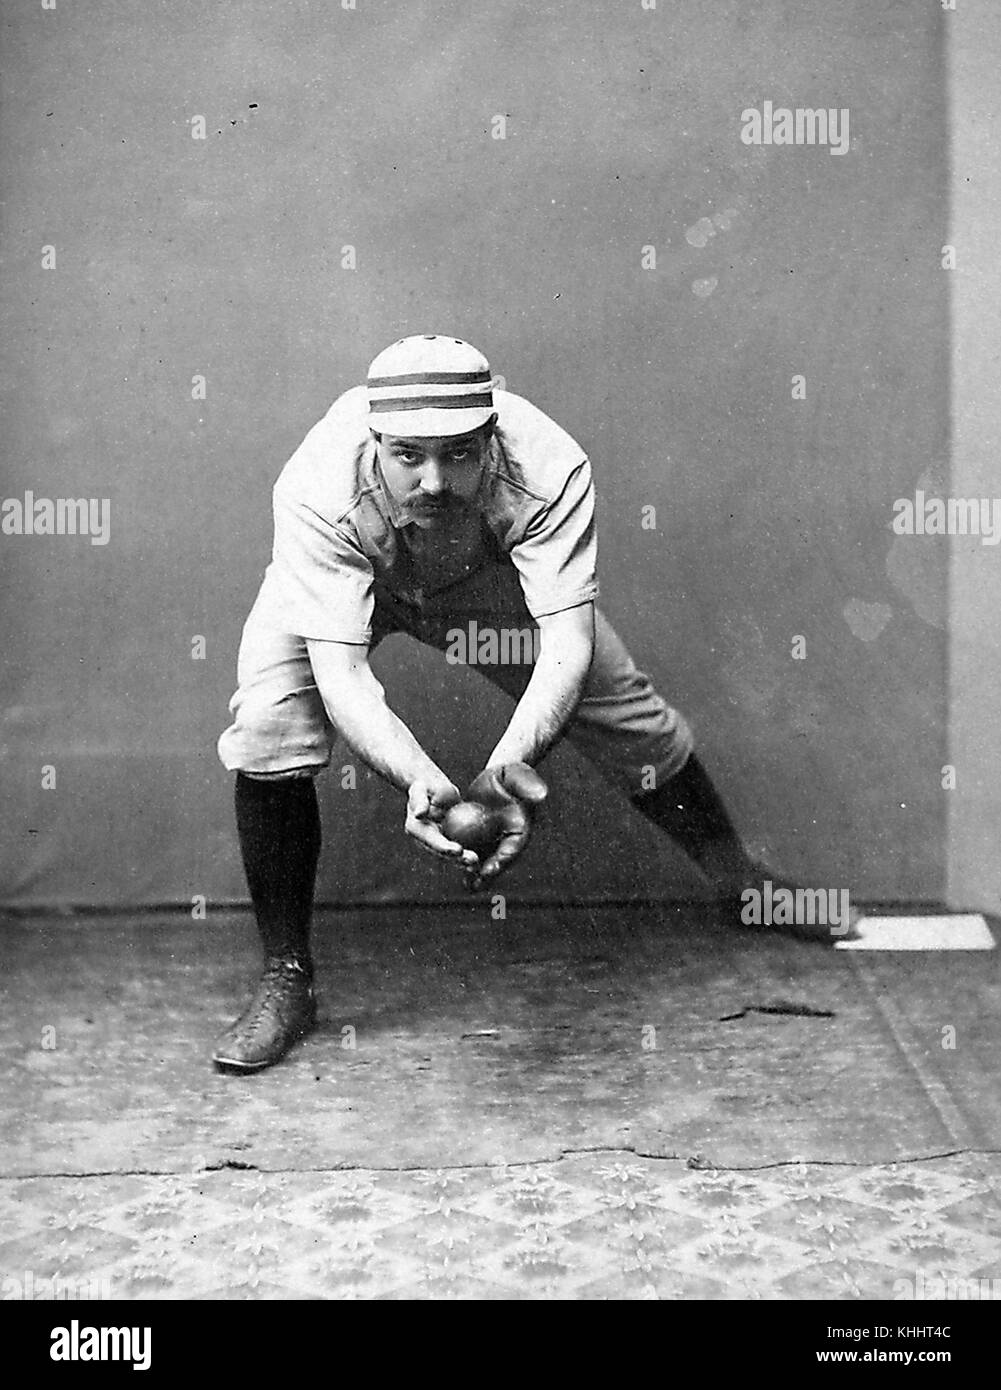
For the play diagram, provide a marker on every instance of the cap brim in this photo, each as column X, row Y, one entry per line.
column 432, row 424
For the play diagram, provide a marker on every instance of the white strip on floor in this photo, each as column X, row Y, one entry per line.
column 962, row 932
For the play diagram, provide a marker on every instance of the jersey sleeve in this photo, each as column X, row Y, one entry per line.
column 557, row 556
column 323, row 578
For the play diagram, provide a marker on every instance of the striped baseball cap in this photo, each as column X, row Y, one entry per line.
column 429, row 385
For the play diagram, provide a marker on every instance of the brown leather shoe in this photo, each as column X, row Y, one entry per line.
column 280, row 1012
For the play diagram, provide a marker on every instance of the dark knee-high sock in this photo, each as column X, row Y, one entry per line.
column 689, row 809
column 278, row 822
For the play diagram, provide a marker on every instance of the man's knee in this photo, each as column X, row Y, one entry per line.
column 663, row 759
column 634, row 737
column 287, row 738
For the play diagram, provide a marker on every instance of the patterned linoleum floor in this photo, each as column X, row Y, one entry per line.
column 592, row 1226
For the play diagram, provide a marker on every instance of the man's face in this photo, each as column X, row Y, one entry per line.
column 433, row 479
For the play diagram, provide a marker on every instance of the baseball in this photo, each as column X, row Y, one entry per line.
column 471, row 825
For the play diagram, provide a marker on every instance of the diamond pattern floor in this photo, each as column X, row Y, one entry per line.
column 594, row 1226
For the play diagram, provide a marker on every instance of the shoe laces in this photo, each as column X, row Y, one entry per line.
column 279, row 973
column 284, row 967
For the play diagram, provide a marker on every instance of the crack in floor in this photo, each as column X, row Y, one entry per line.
column 692, row 1162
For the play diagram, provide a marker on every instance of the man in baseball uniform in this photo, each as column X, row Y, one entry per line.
column 423, row 502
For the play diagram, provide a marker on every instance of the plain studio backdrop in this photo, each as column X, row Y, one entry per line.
column 368, row 138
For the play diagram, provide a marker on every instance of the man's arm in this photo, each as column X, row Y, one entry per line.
column 553, row 693
column 356, row 704
column 550, row 698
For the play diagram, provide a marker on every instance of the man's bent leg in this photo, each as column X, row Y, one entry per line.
column 278, row 823
column 638, row 741
column 279, row 739
column 625, row 728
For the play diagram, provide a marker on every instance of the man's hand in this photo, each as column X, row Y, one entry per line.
column 512, row 792
column 427, row 802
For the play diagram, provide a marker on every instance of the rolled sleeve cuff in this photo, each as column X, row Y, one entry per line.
column 544, row 606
